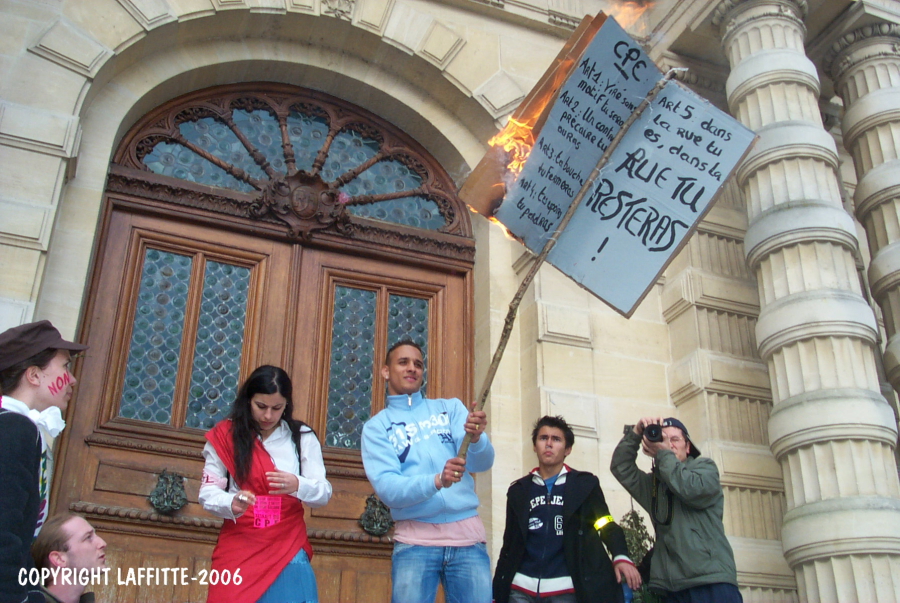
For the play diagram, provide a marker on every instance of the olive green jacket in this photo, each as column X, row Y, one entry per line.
column 691, row 550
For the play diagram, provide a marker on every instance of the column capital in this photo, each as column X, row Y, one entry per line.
column 728, row 8
column 884, row 38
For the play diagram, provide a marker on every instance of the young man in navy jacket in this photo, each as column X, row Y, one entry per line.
column 557, row 522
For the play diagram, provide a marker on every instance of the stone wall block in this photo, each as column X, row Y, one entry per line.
column 793, row 224
column 823, row 363
column 500, row 94
column 726, row 332
column 400, row 25
column 878, row 189
column 106, row 21
column 742, row 418
column 884, row 270
column 564, row 325
column 821, row 416
column 69, row 46
column 475, row 63
column 872, row 112
column 868, row 66
column 876, row 575
column 752, row 513
column 695, row 287
column 15, row 312
column 440, row 45
column 22, row 269
column 808, row 267
column 38, row 130
column 892, row 349
column 780, row 102
column 302, row 6
column 766, row 70
column 722, row 254
column 757, row 594
column 822, row 530
column 151, row 13
column 762, row 26
column 703, row 370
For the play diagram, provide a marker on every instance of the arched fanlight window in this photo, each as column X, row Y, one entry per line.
column 302, row 158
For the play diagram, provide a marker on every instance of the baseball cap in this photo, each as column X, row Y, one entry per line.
column 673, row 422
column 22, row 342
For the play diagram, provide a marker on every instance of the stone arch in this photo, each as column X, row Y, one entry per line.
column 172, row 57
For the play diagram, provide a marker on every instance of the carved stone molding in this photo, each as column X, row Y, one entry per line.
column 837, row 60
column 725, row 9
column 699, row 81
column 340, row 9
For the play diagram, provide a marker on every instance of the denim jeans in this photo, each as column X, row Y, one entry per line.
column 464, row 571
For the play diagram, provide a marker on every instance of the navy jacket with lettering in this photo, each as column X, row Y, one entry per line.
column 585, row 557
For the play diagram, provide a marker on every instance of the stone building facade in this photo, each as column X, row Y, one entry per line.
column 773, row 335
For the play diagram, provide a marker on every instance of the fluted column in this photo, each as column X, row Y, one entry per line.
column 830, row 428
column 865, row 66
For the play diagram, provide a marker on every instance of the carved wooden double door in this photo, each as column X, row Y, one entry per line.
column 258, row 224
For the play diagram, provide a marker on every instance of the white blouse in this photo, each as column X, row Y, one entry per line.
column 314, row 491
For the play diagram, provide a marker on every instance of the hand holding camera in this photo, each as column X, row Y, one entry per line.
column 650, row 428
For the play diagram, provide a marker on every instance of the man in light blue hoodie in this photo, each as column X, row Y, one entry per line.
column 409, row 451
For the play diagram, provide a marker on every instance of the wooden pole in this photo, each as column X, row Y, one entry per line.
column 551, row 242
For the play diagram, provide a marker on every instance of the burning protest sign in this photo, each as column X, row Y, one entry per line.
column 659, row 181
column 648, row 155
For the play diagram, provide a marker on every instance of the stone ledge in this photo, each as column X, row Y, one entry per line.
column 704, row 370
column 697, row 288
column 761, row 564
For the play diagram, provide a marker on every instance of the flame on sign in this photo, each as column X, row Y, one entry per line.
column 628, row 12
column 516, row 139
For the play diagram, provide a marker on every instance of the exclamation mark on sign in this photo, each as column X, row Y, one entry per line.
column 599, row 249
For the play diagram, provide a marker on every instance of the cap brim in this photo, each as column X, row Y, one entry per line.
column 71, row 346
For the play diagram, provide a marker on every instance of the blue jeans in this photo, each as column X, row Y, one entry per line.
column 464, row 571
column 721, row 592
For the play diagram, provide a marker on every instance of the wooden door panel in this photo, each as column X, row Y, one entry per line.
column 110, row 463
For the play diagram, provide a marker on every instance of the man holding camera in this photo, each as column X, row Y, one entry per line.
column 692, row 560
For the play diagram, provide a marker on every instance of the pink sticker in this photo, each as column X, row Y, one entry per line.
column 266, row 511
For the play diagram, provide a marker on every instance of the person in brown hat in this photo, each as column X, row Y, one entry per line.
column 36, row 384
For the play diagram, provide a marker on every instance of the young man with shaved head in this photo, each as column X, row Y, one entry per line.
column 409, row 451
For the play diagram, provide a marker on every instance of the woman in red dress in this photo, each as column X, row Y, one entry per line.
column 260, row 464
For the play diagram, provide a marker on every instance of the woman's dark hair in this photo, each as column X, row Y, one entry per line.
column 266, row 379
column 10, row 377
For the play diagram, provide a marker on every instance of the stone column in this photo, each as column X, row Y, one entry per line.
column 865, row 66
column 830, row 429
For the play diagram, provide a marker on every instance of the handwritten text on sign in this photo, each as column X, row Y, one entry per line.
column 612, row 78
column 657, row 184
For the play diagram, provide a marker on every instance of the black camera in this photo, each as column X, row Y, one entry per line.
column 653, row 433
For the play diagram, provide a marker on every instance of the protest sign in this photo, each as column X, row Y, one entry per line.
column 658, row 183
